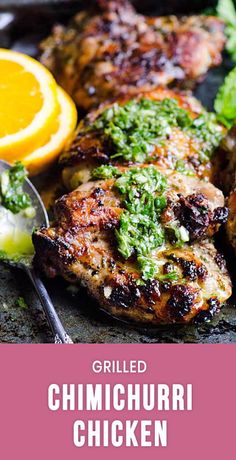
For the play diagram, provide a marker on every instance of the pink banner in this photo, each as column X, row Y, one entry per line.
column 166, row 402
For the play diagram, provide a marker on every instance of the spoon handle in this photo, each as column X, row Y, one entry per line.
column 60, row 335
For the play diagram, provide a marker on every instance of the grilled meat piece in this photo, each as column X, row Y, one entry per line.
column 110, row 49
column 225, row 163
column 225, row 178
column 179, row 148
column 231, row 222
column 81, row 246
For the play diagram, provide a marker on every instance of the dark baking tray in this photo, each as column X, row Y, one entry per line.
column 81, row 316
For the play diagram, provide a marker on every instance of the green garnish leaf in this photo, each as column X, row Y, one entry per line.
column 12, row 196
column 226, row 11
column 225, row 102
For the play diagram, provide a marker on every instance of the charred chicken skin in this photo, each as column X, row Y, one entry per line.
column 163, row 127
column 111, row 50
column 139, row 240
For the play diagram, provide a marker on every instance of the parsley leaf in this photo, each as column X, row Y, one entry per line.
column 226, row 11
column 225, row 102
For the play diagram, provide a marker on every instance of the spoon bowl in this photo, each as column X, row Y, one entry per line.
column 21, row 223
column 26, row 262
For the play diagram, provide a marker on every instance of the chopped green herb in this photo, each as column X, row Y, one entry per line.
column 173, row 276
column 206, row 129
column 12, row 196
column 133, row 129
column 22, row 303
column 225, row 102
column 147, row 179
column 226, row 11
column 177, row 235
column 180, row 167
column 105, row 172
column 138, row 234
column 148, row 266
column 140, row 229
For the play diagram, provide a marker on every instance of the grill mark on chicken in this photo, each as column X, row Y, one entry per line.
column 181, row 301
column 191, row 270
column 111, row 50
column 81, row 247
column 194, row 214
column 206, row 316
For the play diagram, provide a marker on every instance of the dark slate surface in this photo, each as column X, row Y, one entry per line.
column 80, row 315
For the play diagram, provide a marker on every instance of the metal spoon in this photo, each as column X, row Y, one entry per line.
column 26, row 262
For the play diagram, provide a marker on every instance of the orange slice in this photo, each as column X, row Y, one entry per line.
column 44, row 156
column 28, row 104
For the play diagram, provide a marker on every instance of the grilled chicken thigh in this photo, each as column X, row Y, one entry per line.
column 100, row 241
column 137, row 232
column 225, row 162
column 111, row 49
column 225, row 167
column 164, row 127
column 231, row 222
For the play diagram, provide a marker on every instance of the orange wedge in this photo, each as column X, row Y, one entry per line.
column 28, row 104
column 41, row 158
